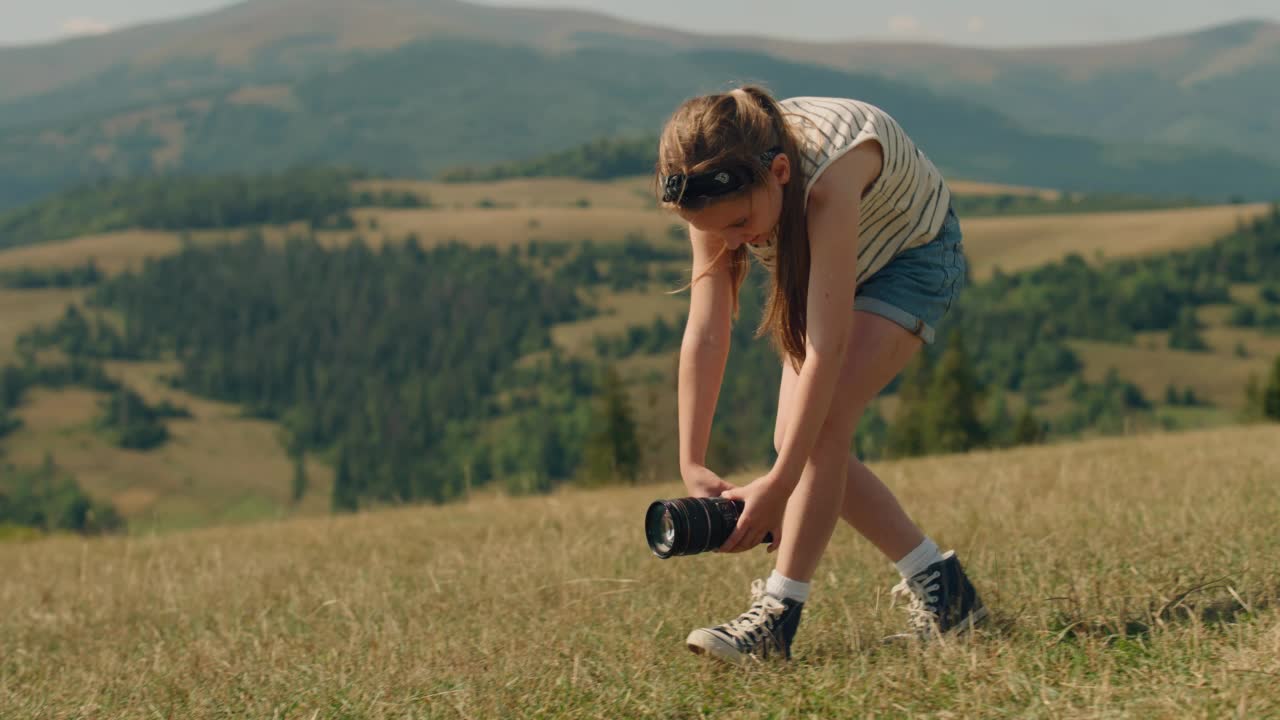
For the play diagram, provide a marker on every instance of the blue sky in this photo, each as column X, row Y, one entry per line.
column 976, row 22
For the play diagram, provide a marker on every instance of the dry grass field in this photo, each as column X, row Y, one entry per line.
column 632, row 193
column 216, row 468
column 972, row 187
column 548, row 209
column 1218, row 377
column 1015, row 243
column 1129, row 577
column 620, row 310
column 20, row 310
column 228, row 468
column 503, row 227
column 113, row 252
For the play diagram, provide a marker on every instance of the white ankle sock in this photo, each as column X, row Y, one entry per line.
column 784, row 588
column 925, row 554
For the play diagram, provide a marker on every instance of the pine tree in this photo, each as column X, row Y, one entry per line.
column 906, row 436
column 1000, row 425
column 869, row 439
column 299, row 487
column 553, row 456
column 1252, row 400
column 1271, row 394
column 1028, row 430
column 345, row 494
column 1185, row 333
column 952, row 423
column 613, row 450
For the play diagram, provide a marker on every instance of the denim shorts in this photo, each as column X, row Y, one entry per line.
column 917, row 287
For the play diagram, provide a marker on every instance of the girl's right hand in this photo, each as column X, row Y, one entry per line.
column 701, row 482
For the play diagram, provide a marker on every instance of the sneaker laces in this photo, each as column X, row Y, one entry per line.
column 921, row 591
column 753, row 624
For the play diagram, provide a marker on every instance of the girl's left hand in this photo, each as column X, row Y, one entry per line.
column 765, row 502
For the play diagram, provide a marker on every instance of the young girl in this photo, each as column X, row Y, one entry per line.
column 856, row 226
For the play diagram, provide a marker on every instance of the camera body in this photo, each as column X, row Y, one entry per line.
column 689, row 526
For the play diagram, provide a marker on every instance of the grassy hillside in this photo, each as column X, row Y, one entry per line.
column 219, row 467
column 1121, row 581
column 1015, row 243
column 371, row 111
column 180, row 486
column 1149, row 89
column 507, row 212
column 1201, row 87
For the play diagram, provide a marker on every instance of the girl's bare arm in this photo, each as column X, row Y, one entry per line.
column 703, row 351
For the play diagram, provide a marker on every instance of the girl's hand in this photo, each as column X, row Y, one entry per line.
column 703, row 483
column 765, row 502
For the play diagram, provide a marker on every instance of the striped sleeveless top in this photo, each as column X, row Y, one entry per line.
column 903, row 208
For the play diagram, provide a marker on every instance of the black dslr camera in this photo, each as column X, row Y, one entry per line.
column 688, row 526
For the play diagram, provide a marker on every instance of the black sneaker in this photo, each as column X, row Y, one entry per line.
column 941, row 600
column 764, row 631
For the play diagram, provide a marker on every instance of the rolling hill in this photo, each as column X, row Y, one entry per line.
column 1202, row 87
column 1122, row 573
column 224, row 467
column 409, row 87
column 1214, row 86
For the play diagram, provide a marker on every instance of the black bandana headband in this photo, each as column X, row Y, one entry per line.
column 685, row 190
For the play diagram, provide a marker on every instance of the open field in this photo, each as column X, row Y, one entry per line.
column 1016, row 243
column 1129, row 577
column 629, row 192
column 113, row 252
column 976, row 188
column 20, row 310
column 620, row 310
column 633, row 193
column 516, row 226
column 1217, row 376
column 569, row 209
column 249, row 465
column 217, row 467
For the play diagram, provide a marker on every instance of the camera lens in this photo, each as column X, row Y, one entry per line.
column 688, row 526
column 668, row 531
column 660, row 528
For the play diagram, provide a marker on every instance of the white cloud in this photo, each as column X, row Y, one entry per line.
column 976, row 24
column 904, row 24
column 81, row 25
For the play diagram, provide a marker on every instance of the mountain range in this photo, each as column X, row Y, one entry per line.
column 409, row 87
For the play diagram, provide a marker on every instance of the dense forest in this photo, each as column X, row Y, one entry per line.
column 395, row 361
column 316, row 195
column 49, row 499
column 1015, row 327
column 421, row 373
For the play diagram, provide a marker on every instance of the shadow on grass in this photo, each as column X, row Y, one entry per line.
column 1213, row 602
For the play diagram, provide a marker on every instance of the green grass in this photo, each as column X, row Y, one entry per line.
column 1130, row 577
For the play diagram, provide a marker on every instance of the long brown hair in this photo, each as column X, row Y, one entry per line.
column 721, row 129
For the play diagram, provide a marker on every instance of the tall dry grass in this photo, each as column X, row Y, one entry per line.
column 1129, row 577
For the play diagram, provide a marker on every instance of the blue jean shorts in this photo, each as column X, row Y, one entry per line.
column 917, row 287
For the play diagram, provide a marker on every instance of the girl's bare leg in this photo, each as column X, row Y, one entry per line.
column 832, row 484
column 875, row 513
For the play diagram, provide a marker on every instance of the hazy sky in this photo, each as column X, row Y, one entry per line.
column 975, row 22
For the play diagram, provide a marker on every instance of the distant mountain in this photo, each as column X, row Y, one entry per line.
column 409, row 87
column 1215, row 87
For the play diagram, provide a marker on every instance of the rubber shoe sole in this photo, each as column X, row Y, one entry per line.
column 701, row 642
